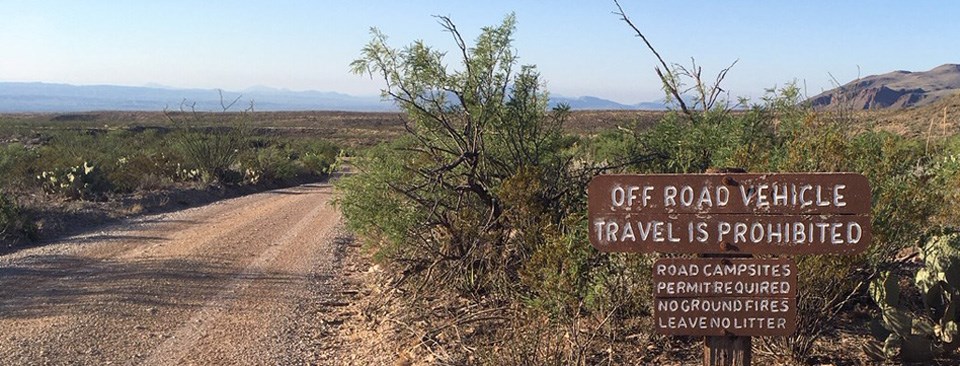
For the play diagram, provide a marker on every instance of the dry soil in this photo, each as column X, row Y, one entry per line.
column 250, row 280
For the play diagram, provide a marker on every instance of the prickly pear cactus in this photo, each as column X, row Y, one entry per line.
column 939, row 283
column 76, row 182
column 924, row 336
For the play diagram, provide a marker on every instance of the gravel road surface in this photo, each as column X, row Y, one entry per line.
column 241, row 281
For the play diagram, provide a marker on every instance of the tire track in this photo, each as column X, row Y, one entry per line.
column 187, row 337
column 209, row 285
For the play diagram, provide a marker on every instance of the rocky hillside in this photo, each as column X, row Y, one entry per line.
column 896, row 90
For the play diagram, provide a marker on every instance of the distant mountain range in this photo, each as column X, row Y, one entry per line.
column 604, row 104
column 894, row 90
column 45, row 97
column 48, row 97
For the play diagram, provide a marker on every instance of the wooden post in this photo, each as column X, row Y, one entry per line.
column 727, row 351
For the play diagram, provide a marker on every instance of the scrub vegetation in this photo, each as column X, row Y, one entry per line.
column 479, row 210
column 63, row 165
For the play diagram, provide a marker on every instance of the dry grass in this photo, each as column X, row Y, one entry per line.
column 346, row 128
column 366, row 128
column 935, row 120
column 590, row 122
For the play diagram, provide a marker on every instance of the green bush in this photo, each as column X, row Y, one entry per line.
column 126, row 161
column 278, row 160
column 473, row 133
column 317, row 164
column 485, row 198
column 212, row 143
column 376, row 211
column 143, row 171
column 275, row 164
column 212, row 153
column 15, row 224
column 123, row 161
column 315, row 157
column 16, row 163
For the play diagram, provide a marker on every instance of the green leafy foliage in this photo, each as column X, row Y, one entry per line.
column 15, row 224
column 483, row 198
column 475, row 133
column 16, row 163
column 374, row 209
column 281, row 160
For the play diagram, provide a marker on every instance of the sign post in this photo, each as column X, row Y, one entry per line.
column 725, row 295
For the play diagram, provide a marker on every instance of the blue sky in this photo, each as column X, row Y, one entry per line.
column 580, row 47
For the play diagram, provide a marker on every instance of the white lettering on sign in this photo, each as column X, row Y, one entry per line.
column 628, row 197
column 724, row 296
column 722, row 288
column 730, row 314
column 701, row 235
column 797, row 233
column 688, row 196
column 687, row 279
column 728, row 323
column 655, row 231
column 762, row 195
column 769, row 305
column 735, row 232
column 731, row 269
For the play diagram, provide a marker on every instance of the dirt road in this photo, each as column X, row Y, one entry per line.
column 242, row 281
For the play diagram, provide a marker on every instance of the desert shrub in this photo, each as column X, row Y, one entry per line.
column 278, row 160
column 275, row 164
column 480, row 194
column 212, row 153
column 472, row 131
column 945, row 169
column 16, row 163
column 15, row 223
column 752, row 139
column 211, row 142
column 143, row 171
column 377, row 211
column 315, row 157
column 122, row 161
column 130, row 160
column 317, row 164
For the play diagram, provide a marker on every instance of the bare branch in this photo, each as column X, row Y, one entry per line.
column 671, row 88
column 227, row 107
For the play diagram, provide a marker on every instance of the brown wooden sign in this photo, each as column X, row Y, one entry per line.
column 784, row 213
column 725, row 296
